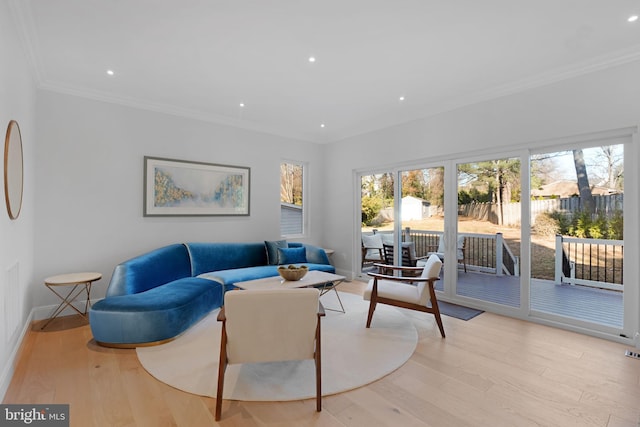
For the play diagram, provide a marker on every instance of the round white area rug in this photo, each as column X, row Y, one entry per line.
column 352, row 356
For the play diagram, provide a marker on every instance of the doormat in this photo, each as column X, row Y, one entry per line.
column 458, row 311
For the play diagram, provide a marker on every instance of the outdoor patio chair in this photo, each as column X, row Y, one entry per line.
column 418, row 294
column 372, row 248
column 246, row 340
column 460, row 251
column 409, row 258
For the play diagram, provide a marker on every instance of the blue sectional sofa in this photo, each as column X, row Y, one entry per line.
column 158, row 295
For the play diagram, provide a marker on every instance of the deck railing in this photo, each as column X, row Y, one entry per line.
column 590, row 262
column 483, row 252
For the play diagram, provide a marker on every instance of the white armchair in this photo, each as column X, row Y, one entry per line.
column 415, row 293
column 268, row 326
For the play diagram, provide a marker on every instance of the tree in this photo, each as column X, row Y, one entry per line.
column 291, row 183
column 609, row 167
column 434, row 190
column 584, row 188
column 500, row 179
column 413, row 183
column 386, row 186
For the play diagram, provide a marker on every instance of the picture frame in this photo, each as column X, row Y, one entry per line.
column 189, row 188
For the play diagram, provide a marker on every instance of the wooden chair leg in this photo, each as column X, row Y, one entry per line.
column 372, row 307
column 373, row 302
column 436, row 310
column 222, row 367
column 318, row 369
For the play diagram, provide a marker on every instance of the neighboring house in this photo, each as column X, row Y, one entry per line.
column 414, row 208
column 567, row 188
column 290, row 219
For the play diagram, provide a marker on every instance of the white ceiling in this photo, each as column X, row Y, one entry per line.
column 202, row 58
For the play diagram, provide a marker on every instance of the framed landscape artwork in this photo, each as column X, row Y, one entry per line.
column 184, row 188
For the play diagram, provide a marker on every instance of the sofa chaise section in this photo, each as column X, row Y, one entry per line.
column 152, row 298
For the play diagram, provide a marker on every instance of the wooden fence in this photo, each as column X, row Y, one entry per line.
column 606, row 205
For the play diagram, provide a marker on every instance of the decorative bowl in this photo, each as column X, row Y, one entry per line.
column 293, row 272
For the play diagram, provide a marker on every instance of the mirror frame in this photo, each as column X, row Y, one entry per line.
column 13, row 170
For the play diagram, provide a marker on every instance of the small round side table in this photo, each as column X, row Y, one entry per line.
column 81, row 284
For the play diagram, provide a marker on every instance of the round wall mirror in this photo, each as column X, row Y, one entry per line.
column 13, row 173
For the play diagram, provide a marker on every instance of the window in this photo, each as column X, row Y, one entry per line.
column 292, row 215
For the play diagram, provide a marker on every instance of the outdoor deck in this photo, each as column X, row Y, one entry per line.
column 579, row 302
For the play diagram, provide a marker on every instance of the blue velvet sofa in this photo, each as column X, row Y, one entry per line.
column 158, row 295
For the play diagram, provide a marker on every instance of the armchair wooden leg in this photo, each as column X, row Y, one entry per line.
column 436, row 310
column 318, row 369
column 372, row 307
column 373, row 302
column 222, row 367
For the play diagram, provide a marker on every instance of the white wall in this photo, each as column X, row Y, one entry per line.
column 90, row 176
column 17, row 102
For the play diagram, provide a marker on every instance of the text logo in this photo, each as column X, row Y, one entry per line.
column 34, row 415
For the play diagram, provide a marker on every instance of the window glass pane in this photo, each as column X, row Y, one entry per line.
column 577, row 244
column 291, row 199
column 376, row 212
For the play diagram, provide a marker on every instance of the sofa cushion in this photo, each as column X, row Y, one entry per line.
column 272, row 250
column 206, row 257
column 292, row 255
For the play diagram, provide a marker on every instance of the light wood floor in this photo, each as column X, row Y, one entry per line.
column 489, row 371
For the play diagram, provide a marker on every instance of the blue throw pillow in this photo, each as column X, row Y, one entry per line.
column 272, row 250
column 292, row 255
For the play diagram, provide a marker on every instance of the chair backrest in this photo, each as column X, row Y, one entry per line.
column 431, row 271
column 460, row 247
column 408, row 254
column 271, row 325
column 388, row 254
column 373, row 241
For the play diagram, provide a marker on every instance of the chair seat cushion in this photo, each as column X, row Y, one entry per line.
column 394, row 290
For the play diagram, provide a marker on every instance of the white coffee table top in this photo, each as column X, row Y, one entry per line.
column 312, row 278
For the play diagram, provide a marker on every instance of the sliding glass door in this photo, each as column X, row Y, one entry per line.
column 577, row 235
column 536, row 234
column 488, row 237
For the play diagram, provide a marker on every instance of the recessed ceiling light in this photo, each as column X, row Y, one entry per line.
column 241, row 104
column 322, row 125
column 633, row 18
column 312, row 59
column 110, row 72
column 401, row 98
